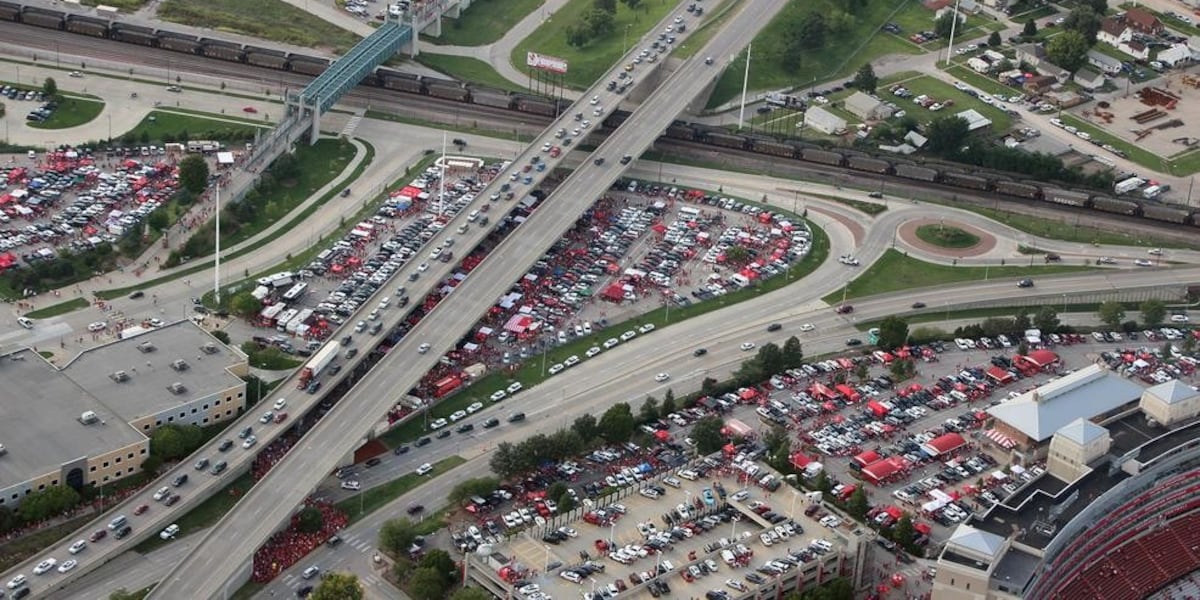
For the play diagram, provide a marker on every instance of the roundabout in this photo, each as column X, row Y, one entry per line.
column 947, row 238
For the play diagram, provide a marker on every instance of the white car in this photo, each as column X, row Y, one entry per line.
column 423, row 267
column 1179, row 318
column 280, row 403
column 353, row 486
column 595, row 100
column 423, row 348
column 807, row 327
column 457, row 416
column 498, row 395
column 1155, row 251
column 438, row 424
column 1106, row 260
column 67, row 565
column 250, row 442
column 594, row 350
column 156, row 322
column 661, row 377
column 25, row 322
column 44, row 566
column 474, row 408
column 424, row 469
column 266, row 417
column 97, row 326
column 647, row 328
column 1142, row 262
column 162, row 492
column 747, row 346
column 171, row 531
column 77, row 547
column 610, row 342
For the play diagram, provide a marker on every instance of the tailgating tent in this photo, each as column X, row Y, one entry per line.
column 867, row 458
column 519, row 323
column 882, row 469
column 1042, row 358
column 999, row 375
column 738, row 428
column 943, row 444
column 877, row 409
column 799, row 460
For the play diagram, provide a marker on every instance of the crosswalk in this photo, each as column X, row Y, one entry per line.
column 352, row 124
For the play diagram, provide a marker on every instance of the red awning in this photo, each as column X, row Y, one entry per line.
column 944, row 443
column 867, row 457
column 799, row 460
column 999, row 375
column 1043, row 358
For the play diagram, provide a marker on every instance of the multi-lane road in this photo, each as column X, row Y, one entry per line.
column 226, row 551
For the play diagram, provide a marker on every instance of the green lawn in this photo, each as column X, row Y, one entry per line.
column 946, row 237
column 894, row 272
column 61, row 308
column 485, row 22
column 71, row 112
column 465, row 68
column 943, row 91
column 587, row 64
column 14, row 552
column 712, row 21
column 841, row 55
column 977, row 81
column 162, row 126
column 368, row 501
column 273, row 20
column 1035, row 14
column 206, row 514
column 1137, row 154
column 1069, row 230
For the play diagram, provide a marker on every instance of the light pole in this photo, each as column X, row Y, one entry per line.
column 625, row 41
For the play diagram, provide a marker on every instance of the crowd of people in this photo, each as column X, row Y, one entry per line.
column 288, row 547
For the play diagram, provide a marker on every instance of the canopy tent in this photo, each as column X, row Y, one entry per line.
column 1042, row 358
column 866, row 458
column 999, row 375
column 883, row 469
column 943, row 444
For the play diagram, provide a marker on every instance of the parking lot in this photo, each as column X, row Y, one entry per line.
column 1163, row 139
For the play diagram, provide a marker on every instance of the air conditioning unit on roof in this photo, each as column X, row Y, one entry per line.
column 179, row 364
column 146, row 347
column 209, row 348
column 119, row 376
column 177, row 388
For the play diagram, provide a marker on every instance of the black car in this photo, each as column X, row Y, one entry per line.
column 1025, row 283
column 443, row 434
column 774, row 327
column 422, row 442
column 122, row 532
column 304, row 591
column 414, row 509
column 599, row 161
column 225, row 445
column 700, row 352
column 401, row 449
column 465, row 427
column 918, row 305
column 371, row 462
column 490, row 423
column 516, row 417
column 625, row 159
column 137, row 294
column 854, row 342
column 178, row 481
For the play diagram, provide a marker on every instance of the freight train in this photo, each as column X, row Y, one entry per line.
column 950, row 175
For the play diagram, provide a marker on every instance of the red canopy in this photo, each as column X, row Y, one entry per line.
column 882, row 469
column 1043, row 358
column 999, row 375
column 866, row 458
column 799, row 460
column 944, row 443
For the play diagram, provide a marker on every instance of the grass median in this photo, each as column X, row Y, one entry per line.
column 484, row 22
column 895, row 271
column 61, row 308
column 370, row 500
column 71, row 112
column 205, row 515
column 466, row 68
column 272, row 20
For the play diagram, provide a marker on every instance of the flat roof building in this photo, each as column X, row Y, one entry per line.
column 90, row 421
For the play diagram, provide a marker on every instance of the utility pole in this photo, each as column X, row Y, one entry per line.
column 745, row 84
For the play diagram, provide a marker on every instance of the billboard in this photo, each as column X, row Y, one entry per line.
column 545, row 63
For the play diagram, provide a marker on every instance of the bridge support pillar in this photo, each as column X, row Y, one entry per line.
column 314, row 133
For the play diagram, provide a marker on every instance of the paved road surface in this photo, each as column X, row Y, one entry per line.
column 228, row 548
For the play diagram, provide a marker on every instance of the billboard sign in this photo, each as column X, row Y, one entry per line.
column 545, row 63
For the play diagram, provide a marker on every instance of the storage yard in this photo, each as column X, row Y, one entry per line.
column 1161, row 118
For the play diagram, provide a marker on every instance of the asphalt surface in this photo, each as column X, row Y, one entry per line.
column 227, row 550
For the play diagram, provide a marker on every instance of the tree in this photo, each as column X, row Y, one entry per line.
column 310, row 520
column 857, row 505
column 793, row 352
column 769, row 359
column 649, row 411
column 173, row 441
column 566, row 502
column 617, row 424
column 244, row 304
column 475, row 593
column 158, row 220
column 193, row 173
column 47, row 503
column 865, row 79
column 822, row 483
column 668, row 403
column 1068, row 50
column 479, row 486
column 152, row 464
column 903, row 532
column 1084, row 20
column 893, row 332
column 441, row 562
column 947, row 135
column 944, row 24
column 586, row 427
column 632, row 4
column 1111, row 312
column 1153, row 312
column 1030, row 29
column 994, row 40
column 1046, row 319
column 600, row 23
column 1021, row 322
column 426, row 584
column 577, row 36
column 862, row 371
column 707, row 435
column 396, row 536
column 50, row 88
column 222, row 336
column 338, row 586
column 609, row 6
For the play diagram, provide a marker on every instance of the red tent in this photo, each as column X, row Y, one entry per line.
column 614, row 292
column 882, row 469
column 662, row 435
column 1043, row 358
column 999, row 375
column 820, row 390
column 799, row 460
column 659, row 228
column 877, row 409
column 848, row 392
column 866, row 458
column 943, row 444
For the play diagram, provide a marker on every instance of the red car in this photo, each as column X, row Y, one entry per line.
column 98, row 535
column 250, row 109
column 280, row 417
column 141, row 509
column 844, row 309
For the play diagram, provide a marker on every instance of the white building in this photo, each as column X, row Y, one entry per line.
column 824, row 121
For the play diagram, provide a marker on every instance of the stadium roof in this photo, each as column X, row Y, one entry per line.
column 1083, row 394
column 977, row 541
column 1173, row 392
column 1082, row 431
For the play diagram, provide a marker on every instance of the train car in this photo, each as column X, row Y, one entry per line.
column 493, row 99
column 10, row 11
column 87, row 26
column 222, row 50
column 311, row 65
column 1164, row 212
column 1112, row 205
column 50, row 19
column 680, row 130
column 1067, row 197
column 822, row 156
column 870, row 165
column 615, row 119
column 458, row 94
column 535, row 106
column 965, row 181
column 774, row 148
column 1020, row 190
column 132, row 34
column 726, row 140
column 911, row 171
column 270, row 59
column 179, row 43
column 403, row 84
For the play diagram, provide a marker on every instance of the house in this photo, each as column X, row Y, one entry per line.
column 1142, row 21
column 1135, row 49
column 867, row 107
column 1039, row 83
column 1113, row 31
column 962, row 12
column 1177, row 54
column 974, row 119
column 1035, row 56
column 1000, row 5
column 979, row 65
column 824, row 121
column 1089, row 79
column 1103, row 62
